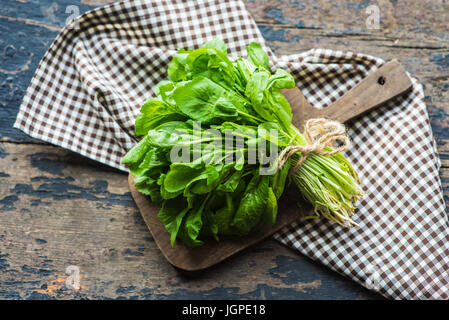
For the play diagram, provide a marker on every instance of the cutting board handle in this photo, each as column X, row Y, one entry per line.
column 379, row 87
column 368, row 94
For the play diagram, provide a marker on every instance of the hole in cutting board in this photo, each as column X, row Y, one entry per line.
column 381, row 80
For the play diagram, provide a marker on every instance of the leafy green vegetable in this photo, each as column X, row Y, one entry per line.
column 216, row 44
column 271, row 210
column 177, row 67
column 171, row 215
column 252, row 205
column 203, row 100
column 207, row 138
column 257, row 56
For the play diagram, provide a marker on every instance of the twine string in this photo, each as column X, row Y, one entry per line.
column 320, row 134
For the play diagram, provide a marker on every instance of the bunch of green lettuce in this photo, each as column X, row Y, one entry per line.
column 220, row 191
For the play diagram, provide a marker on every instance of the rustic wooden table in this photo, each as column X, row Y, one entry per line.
column 58, row 209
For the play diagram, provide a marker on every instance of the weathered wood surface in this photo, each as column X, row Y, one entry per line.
column 362, row 98
column 58, row 209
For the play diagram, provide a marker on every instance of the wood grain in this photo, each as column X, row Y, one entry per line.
column 58, row 209
column 48, row 223
column 379, row 87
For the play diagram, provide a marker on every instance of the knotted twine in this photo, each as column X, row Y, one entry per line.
column 403, row 197
column 321, row 136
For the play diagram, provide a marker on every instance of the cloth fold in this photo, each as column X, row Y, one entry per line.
column 88, row 89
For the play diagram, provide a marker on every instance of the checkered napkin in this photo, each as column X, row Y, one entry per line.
column 88, row 88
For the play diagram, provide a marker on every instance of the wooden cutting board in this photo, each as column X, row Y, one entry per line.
column 381, row 86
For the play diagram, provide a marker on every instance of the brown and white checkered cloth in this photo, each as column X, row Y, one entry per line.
column 88, row 89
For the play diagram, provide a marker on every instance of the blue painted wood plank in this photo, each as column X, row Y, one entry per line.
column 22, row 46
column 49, row 12
column 27, row 29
